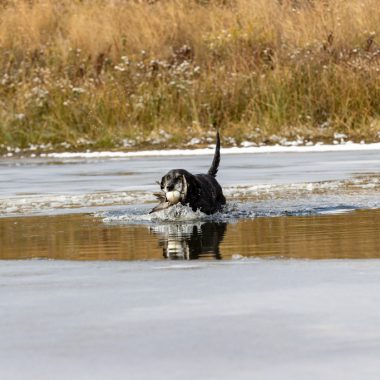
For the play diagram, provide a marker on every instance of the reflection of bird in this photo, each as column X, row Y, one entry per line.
column 191, row 241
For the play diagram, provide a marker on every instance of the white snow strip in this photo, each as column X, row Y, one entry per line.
column 349, row 146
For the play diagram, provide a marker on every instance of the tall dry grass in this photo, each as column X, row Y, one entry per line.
column 118, row 72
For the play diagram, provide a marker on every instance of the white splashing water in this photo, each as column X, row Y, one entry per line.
column 234, row 210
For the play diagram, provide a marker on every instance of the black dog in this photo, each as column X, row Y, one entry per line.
column 200, row 191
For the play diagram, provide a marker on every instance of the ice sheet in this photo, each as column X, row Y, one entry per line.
column 245, row 319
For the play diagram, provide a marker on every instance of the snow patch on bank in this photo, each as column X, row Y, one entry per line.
column 349, row 146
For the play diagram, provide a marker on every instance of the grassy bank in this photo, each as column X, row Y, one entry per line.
column 106, row 74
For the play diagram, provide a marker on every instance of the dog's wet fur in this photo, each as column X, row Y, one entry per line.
column 200, row 191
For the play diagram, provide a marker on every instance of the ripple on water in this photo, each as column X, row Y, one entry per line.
column 85, row 237
column 243, row 201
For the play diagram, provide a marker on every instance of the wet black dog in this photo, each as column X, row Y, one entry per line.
column 200, row 191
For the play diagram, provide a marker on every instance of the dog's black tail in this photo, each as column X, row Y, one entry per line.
column 215, row 162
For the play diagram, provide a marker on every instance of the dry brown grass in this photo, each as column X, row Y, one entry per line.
column 99, row 72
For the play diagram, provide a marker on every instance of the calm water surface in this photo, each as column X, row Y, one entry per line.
column 85, row 237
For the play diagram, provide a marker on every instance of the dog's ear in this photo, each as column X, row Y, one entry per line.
column 185, row 186
column 192, row 186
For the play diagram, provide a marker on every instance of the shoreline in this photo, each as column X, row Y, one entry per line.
column 349, row 146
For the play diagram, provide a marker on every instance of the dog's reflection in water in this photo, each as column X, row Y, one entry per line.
column 191, row 241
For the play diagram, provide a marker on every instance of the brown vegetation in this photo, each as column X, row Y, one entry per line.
column 105, row 73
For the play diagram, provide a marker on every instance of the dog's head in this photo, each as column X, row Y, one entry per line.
column 175, row 181
column 178, row 185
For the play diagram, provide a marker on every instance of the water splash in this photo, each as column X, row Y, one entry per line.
column 317, row 204
column 133, row 215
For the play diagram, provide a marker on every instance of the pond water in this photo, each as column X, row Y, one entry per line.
column 85, row 237
column 113, row 291
column 292, row 205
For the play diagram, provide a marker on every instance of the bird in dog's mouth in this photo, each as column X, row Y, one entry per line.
column 173, row 191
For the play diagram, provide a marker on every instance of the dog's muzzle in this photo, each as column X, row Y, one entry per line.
column 175, row 193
